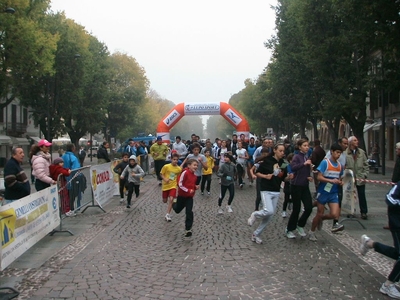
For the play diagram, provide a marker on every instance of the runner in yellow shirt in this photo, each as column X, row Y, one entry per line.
column 169, row 174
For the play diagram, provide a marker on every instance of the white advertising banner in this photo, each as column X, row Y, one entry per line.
column 202, row 109
column 102, row 181
column 26, row 221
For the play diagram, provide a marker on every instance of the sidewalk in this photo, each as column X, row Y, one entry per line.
column 135, row 254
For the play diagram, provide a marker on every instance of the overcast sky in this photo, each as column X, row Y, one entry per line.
column 192, row 51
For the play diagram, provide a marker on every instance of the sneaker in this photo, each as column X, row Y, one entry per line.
column 284, row 215
column 128, row 206
column 220, row 211
column 188, row 233
column 390, row 290
column 301, row 232
column 252, row 219
column 241, row 185
column 256, row 239
column 202, row 193
column 312, row 237
column 319, row 226
column 208, row 193
column 229, row 209
column 290, row 234
column 121, row 200
column 364, row 216
column 363, row 246
column 337, row 227
column 70, row 213
column 168, row 217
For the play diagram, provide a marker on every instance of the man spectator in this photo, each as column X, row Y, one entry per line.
column 180, row 148
column 267, row 144
column 82, row 155
column 15, row 180
column 130, row 148
column 357, row 161
column 159, row 152
column 102, row 153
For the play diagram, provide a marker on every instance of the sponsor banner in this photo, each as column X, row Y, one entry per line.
column 26, row 221
column 102, row 181
column 202, row 109
column 233, row 117
column 170, row 119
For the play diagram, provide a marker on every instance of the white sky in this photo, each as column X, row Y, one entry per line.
column 192, row 51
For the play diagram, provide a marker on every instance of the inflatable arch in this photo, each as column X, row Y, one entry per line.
column 182, row 109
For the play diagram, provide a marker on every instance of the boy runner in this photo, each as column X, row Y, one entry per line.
column 329, row 174
column 169, row 174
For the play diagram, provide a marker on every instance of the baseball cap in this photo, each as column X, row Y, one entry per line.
column 44, row 143
column 159, row 138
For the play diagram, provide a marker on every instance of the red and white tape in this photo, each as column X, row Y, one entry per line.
column 376, row 181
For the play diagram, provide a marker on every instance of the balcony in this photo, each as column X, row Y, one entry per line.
column 15, row 129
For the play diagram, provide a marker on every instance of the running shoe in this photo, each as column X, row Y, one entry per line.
column 312, row 237
column 284, row 215
column 71, row 213
column 168, row 217
column 300, row 231
column 229, row 209
column 390, row 290
column 220, row 211
column 208, row 193
column 121, row 200
column 337, row 227
column 188, row 233
column 256, row 239
column 290, row 235
column 252, row 219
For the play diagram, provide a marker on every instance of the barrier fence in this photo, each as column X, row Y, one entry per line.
column 71, row 190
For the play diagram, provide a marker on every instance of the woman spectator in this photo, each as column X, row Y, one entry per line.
column 41, row 161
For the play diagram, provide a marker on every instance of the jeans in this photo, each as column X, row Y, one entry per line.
column 392, row 252
column 224, row 188
column 185, row 202
column 300, row 194
column 362, row 200
column 269, row 202
column 205, row 179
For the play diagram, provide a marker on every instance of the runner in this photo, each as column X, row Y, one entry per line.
column 241, row 156
column 329, row 173
column 251, row 148
column 227, row 173
column 169, row 174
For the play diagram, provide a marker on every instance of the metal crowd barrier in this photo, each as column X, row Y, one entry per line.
column 71, row 191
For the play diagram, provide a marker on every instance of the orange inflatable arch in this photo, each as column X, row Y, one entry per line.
column 182, row 109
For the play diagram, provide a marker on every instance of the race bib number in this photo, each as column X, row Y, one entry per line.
column 328, row 187
column 172, row 176
column 228, row 177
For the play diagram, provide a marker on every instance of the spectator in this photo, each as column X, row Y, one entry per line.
column 82, row 155
column 16, row 182
column 41, row 160
column 102, row 153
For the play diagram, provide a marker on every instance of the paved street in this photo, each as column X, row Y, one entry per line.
column 135, row 254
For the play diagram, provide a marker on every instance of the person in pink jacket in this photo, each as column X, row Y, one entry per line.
column 41, row 161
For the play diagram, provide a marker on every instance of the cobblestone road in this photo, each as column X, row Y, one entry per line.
column 136, row 254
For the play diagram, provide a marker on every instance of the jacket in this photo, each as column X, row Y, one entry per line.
column 358, row 163
column 301, row 171
column 396, row 171
column 393, row 203
column 139, row 173
column 71, row 161
column 56, row 170
column 187, row 182
column 103, row 154
column 120, row 167
column 41, row 167
column 227, row 173
column 16, row 182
